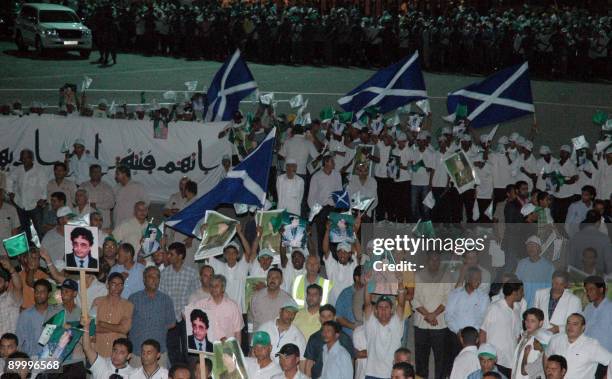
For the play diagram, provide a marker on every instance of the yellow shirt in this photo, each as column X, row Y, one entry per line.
column 408, row 279
column 307, row 323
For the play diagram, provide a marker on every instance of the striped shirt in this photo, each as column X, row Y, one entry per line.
column 179, row 285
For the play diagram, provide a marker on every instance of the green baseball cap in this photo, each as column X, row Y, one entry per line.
column 291, row 305
column 261, row 338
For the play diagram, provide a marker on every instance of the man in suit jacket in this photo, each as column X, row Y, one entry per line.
column 563, row 304
column 82, row 244
column 198, row 340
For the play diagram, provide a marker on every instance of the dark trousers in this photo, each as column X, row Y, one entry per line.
column 560, row 207
column 483, row 204
column 426, row 340
column 467, row 201
column 400, row 202
column 382, row 191
column 448, row 207
column 36, row 215
column 320, row 221
column 177, row 344
column 305, row 208
column 71, row 371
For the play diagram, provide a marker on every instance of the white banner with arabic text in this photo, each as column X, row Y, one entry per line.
column 191, row 149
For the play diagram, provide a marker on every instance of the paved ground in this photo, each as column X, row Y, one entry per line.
column 564, row 109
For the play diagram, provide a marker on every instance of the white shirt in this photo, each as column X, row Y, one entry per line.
column 236, row 279
column 567, row 304
column 28, row 186
column 125, row 197
column 102, row 368
column 502, row 171
column 161, row 373
column 103, row 196
column 382, row 343
column 380, row 168
column 278, row 339
column 466, row 363
column 568, row 169
column 256, row 372
column 290, row 193
column 300, row 149
column 421, row 176
column 603, row 180
column 485, row 188
column 360, row 343
column 298, row 375
column 430, row 292
column 289, row 275
column 404, row 155
column 341, row 275
column 79, row 167
column 440, row 178
column 503, row 327
column 545, row 168
column 96, row 289
column 369, row 189
column 131, row 231
column 518, row 356
column 530, row 165
column 322, row 186
column 582, row 355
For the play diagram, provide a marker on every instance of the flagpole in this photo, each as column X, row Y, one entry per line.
column 83, row 295
column 203, row 371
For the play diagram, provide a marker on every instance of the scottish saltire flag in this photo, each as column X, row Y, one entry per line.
column 246, row 183
column 389, row 89
column 232, row 83
column 341, row 199
column 504, row 96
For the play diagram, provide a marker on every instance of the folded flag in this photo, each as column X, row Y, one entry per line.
column 341, row 199
column 429, row 201
column 170, row 95
column 557, row 178
column 86, row 83
column 388, row 89
column 503, row 96
column 314, row 211
column 424, row 228
column 267, row 99
column 361, row 203
column 489, row 211
column 16, row 245
column 296, row 101
column 35, row 239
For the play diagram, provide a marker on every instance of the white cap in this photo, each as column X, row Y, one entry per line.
column 514, row 137
column 487, row 350
column 344, row 246
column 544, row 150
column 64, row 211
column 422, row 136
column 503, row 140
column 566, row 148
column 446, row 130
column 527, row 209
column 534, row 239
column 466, row 138
column 402, row 137
column 290, row 161
column 484, row 138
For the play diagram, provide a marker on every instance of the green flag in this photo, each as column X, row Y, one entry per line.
column 557, row 178
column 425, row 228
column 142, row 98
column 16, row 245
column 326, row 114
column 345, row 117
column 415, row 167
column 600, row 117
column 461, row 111
column 372, row 111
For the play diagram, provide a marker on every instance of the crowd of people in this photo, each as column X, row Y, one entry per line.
column 567, row 42
column 314, row 314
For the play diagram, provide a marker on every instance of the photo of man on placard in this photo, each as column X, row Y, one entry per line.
column 81, row 248
column 197, row 331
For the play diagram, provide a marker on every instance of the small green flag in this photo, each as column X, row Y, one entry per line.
column 461, row 111
column 415, row 167
column 16, row 245
column 425, row 228
column 372, row 111
column 345, row 117
column 326, row 114
column 142, row 98
column 600, row 118
column 364, row 119
column 557, row 178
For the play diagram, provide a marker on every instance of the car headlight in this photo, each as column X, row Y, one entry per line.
column 50, row 32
